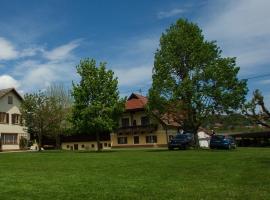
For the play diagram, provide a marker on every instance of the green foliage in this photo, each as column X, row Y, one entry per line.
column 46, row 113
column 23, row 143
column 97, row 106
column 190, row 73
column 37, row 115
column 61, row 106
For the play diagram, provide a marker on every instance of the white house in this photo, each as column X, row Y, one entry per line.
column 11, row 128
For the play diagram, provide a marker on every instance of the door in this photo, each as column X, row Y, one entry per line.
column 76, row 146
column 136, row 139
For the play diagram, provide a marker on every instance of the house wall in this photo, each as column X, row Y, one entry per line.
column 85, row 145
column 12, row 128
column 161, row 139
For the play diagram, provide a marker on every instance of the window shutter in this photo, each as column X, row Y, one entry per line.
column 21, row 120
column 13, row 118
column 7, row 118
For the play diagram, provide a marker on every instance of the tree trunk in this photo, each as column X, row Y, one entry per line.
column 196, row 140
column 0, row 143
column 57, row 141
column 98, row 142
column 39, row 142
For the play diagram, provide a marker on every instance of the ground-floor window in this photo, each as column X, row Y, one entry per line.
column 151, row 139
column 122, row 140
column 9, row 138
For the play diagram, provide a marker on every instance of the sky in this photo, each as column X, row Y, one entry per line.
column 42, row 42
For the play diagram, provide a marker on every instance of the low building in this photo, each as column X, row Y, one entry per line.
column 85, row 142
column 137, row 129
column 11, row 129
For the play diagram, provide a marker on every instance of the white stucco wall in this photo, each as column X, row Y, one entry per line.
column 204, row 139
column 11, row 128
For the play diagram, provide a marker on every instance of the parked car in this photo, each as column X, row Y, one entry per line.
column 181, row 141
column 222, row 142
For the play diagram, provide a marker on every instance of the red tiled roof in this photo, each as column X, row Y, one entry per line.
column 136, row 101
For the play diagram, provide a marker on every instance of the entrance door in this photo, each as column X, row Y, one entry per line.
column 76, row 146
column 136, row 139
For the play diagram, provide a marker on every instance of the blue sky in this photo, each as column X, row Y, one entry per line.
column 42, row 41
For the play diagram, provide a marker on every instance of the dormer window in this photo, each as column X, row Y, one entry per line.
column 16, row 119
column 10, row 100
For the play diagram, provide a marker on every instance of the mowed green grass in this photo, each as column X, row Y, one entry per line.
column 136, row 174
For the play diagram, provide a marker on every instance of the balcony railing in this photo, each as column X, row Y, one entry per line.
column 138, row 129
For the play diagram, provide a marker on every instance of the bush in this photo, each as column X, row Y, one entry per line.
column 23, row 143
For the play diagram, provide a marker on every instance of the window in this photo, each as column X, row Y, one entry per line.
column 16, row 119
column 134, row 123
column 92, row 145
column 122, row 140
column 67, row 146
column 151, row 139
column 145, row 121
column 109, row 145
column 82, row 146
column 10, row 100
column 9, row 138
column 136, row 139
column 125, row 122
column 105, row 144
column 4, row 117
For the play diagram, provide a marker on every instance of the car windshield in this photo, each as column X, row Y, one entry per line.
column 181, row 136
column 218, row 137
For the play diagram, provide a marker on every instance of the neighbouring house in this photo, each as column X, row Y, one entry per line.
column 137, row 129
column 11, row 129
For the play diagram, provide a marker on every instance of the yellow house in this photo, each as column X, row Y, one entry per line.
column 137, row 129
column 11, row 129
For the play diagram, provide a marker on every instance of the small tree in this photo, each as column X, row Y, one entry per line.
column 37, row 116
column 257, row 111
column 97, row 106
column 190, row 76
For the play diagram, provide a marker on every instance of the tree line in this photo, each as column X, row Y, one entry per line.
column 191, row 82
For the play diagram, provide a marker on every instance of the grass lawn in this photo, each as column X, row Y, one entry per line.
column 136, row 174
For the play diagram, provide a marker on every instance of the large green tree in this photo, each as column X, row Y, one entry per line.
column 191, row 77
column 97, row 105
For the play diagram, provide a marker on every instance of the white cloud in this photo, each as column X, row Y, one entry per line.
column 265, row 82
column 242, row 29
column 29, row 52
column 7, row 81
column 134, row 76
column 7, row 50
column 62, row 52
column 170, row 13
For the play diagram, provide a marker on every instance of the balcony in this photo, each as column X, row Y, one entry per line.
column 138, row 129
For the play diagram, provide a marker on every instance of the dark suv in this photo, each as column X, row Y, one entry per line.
column 181, row 141
column 222, row 142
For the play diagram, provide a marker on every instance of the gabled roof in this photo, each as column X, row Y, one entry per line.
column 135, row 102
column 4, row 92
